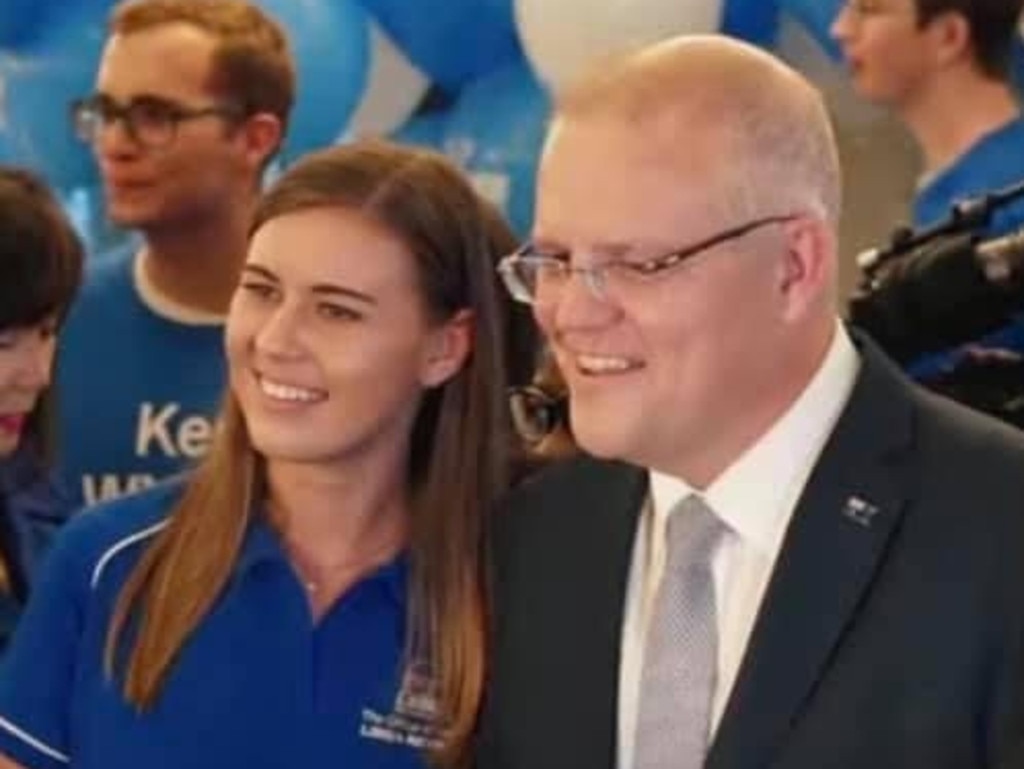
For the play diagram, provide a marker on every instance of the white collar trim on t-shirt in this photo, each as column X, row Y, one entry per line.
column 165, row 307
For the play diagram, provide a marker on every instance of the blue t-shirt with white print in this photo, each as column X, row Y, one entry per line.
column 138, row 388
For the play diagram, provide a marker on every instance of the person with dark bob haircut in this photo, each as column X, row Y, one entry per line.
column 312, row 595
column 40, row 269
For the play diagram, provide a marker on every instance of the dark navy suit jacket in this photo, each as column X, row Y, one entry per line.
column 891, row 635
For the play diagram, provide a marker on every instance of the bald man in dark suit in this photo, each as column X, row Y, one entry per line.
column 857, row 599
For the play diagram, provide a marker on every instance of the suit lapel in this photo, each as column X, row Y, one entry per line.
column 831, row 551
column 603, row 564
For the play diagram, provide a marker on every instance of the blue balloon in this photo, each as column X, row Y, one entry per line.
column 756, row 21
column 330, row 41
column 817, row 17
column 37, row 84
column 495, row 131
column 19, row 20
column 452, row 41
column 24, row 23
column 425, row 129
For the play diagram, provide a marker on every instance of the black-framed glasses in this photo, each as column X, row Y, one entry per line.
column 529, row 273
column 149, row 121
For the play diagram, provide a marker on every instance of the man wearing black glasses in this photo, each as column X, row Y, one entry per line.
column 192, row 99
column 781, row 552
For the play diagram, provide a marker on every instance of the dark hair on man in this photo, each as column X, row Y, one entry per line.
column 253, row 64
column 993, row 25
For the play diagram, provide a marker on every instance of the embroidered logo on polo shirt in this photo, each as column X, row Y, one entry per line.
column 413, row 720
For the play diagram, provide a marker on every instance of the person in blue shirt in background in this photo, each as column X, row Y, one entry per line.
column 943, row 67
column 311, row 596
column 40, row 269
column 191, row 101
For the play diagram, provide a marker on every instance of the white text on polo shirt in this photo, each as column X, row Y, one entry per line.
column 399, row 729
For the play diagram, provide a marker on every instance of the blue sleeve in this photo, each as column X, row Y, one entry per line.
column 37, row 673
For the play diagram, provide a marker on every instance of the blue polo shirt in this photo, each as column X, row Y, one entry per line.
column 257, row 686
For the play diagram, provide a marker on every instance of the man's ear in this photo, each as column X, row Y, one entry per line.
column 950, row 35
column 448, row 350
column 262, row 135
column 808, row 266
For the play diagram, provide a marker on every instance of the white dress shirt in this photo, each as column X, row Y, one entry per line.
column 755, row 498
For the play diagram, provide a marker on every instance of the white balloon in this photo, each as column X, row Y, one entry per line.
column 394, row 88
column 563, row 37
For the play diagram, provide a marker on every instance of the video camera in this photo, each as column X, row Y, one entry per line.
column 945, row 285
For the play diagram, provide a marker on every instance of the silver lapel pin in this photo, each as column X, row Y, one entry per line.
column 860, row 511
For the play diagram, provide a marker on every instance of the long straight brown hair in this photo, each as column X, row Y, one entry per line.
column 458, row 447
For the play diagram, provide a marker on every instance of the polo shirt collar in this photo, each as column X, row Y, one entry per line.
column 262, row 545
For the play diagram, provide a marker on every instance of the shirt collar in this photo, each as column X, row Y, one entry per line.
column 262, row 545
column 755, row 496
column 164, row 306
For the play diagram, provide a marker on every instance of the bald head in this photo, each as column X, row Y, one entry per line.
column 705, row 172
column 766, row 128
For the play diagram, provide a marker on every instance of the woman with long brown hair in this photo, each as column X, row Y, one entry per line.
column 311, row 595
column 40, row 270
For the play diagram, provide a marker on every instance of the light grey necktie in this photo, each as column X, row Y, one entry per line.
column 681, row 652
